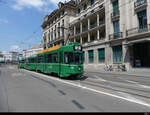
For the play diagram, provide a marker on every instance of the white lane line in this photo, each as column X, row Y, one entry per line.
column 137, row 83
column 99, row 78
column 131, row 97
column 93, row 90
column 144, row 86
column 132, row 82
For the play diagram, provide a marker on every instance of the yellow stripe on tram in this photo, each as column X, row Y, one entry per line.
column 50, row 49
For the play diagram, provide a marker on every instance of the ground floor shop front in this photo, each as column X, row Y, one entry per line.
column 135, row 55
column 140, row 53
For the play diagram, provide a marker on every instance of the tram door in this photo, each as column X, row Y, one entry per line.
column 60, row 62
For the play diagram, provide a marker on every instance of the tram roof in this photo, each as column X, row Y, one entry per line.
column 57, row 47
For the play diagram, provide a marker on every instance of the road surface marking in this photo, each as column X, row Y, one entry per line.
column 137, row 83
column 132, row 82
column 99, row 78
column 94, row 90
column 62, row 92
column 144, row 86
column 78, row 104
column 126, row 95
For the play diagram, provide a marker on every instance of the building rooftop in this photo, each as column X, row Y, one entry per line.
column 61, row 6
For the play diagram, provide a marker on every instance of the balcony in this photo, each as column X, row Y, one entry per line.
column 77, row 32
column 60, row 38
column 115, row 36
column 84, row 29
column 93, row 25
column 102, row 23
column 138, row 30
column 140, row 5
column 115, row 15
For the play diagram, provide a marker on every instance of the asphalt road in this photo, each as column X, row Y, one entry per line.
column 3, row 95
column 25, row 91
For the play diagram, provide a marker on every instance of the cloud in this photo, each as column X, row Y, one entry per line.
column 57, row 1
column 41, row 5
column 21, row 4
column 15, row 48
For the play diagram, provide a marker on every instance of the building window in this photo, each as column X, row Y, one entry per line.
column 63, row 28
column 49, row 36
column 117, row 54
column 101, row 55
column 91, row 56
column 62, row 22
column 115, row 6
column 142, row 18
column 92, row 2
column 85, row 6
column 79, row 11
column 63, row 12
column 116, row 25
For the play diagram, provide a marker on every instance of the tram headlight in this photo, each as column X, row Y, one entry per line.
column 77, row 48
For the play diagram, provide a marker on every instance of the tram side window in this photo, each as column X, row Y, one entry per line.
column 54, row 58
column 66, row 58
column 33, row 60
column 49, row 58
column 40, row 59
column 22, row 61
column 29, row 60
column 69, row 58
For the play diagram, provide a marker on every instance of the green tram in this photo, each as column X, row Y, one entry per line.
column 64, row 61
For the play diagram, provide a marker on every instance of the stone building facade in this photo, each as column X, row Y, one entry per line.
column 55, row 26
column 112, row 32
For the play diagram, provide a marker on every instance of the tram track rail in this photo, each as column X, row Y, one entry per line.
column 124, row 88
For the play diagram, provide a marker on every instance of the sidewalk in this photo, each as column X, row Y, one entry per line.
column 134, row 72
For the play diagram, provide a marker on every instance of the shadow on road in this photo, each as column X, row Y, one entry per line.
column 76, row 77
column 73, row 77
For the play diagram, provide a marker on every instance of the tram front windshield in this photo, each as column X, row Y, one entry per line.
column 73, row 58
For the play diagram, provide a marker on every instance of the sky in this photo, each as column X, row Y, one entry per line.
column 20, row 22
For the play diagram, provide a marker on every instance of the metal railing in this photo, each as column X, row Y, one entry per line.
column 101, row 22
column 140, row 3
column 115, row 14
column 115, row 35
column 55, row 40
column 100, row 7
column 93, row 25
column 138, row 30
